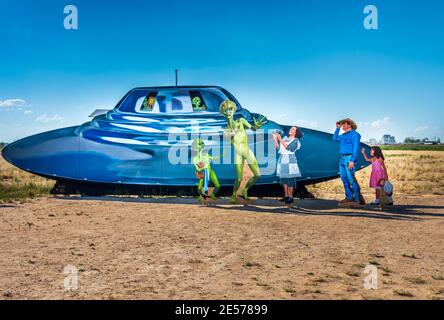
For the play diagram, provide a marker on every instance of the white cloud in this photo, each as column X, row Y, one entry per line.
column 45, row 118
column 375, row 129
column 424, row 128
column 380, row 123
column 8, row 103
column 28, row 112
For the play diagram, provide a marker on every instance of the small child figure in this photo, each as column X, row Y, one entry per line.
column 379, row 171
column 385, row 194
column 204, row 172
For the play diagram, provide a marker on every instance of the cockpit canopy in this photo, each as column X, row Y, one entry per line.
column 175, row 100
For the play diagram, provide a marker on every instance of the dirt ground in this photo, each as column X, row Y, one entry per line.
column 134, row 248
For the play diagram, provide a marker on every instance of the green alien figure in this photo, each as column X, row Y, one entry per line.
column 197, row 106
column 148, row 103
column 236, row 130
column 204, row 172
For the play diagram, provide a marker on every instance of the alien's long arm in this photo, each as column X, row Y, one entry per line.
column 245, row 123
column 257, row 123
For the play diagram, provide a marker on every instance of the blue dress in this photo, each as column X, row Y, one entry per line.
column 287, row 168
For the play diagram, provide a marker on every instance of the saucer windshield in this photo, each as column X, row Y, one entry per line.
column 175, row 100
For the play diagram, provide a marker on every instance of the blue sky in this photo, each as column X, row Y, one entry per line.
column 298, row 62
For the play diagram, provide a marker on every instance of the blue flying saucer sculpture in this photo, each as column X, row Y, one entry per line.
column 146, row 140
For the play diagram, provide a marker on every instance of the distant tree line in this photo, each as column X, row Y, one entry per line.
column 411, row 140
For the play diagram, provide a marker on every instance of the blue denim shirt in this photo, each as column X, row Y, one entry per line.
column 349, row 143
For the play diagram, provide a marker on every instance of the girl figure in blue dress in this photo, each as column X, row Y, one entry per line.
column 287, row 167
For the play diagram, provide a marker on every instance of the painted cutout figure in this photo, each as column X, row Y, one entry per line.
column 204, row 171
column 349, row 143
column 148, row 103
column 236, row 129
column 197, row 104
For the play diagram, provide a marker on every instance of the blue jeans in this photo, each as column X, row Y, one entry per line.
column 351, row 186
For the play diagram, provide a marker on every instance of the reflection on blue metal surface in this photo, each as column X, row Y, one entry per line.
column 146, row 139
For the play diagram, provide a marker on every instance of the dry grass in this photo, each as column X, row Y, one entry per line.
column 411, row 172
column 10, row 175
column 16, row 184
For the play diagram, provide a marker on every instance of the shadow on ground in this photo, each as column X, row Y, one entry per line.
column 7, row 206
column 315, row 207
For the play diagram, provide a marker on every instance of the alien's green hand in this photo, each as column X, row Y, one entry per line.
column 259, row 122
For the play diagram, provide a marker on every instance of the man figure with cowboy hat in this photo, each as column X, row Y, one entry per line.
column 349, row 150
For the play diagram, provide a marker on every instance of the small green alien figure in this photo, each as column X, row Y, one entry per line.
column 148, row 103
column 204, row 172
column 236, row 129
column 197, row 106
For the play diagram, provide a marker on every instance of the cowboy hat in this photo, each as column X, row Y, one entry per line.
column 350, row 122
